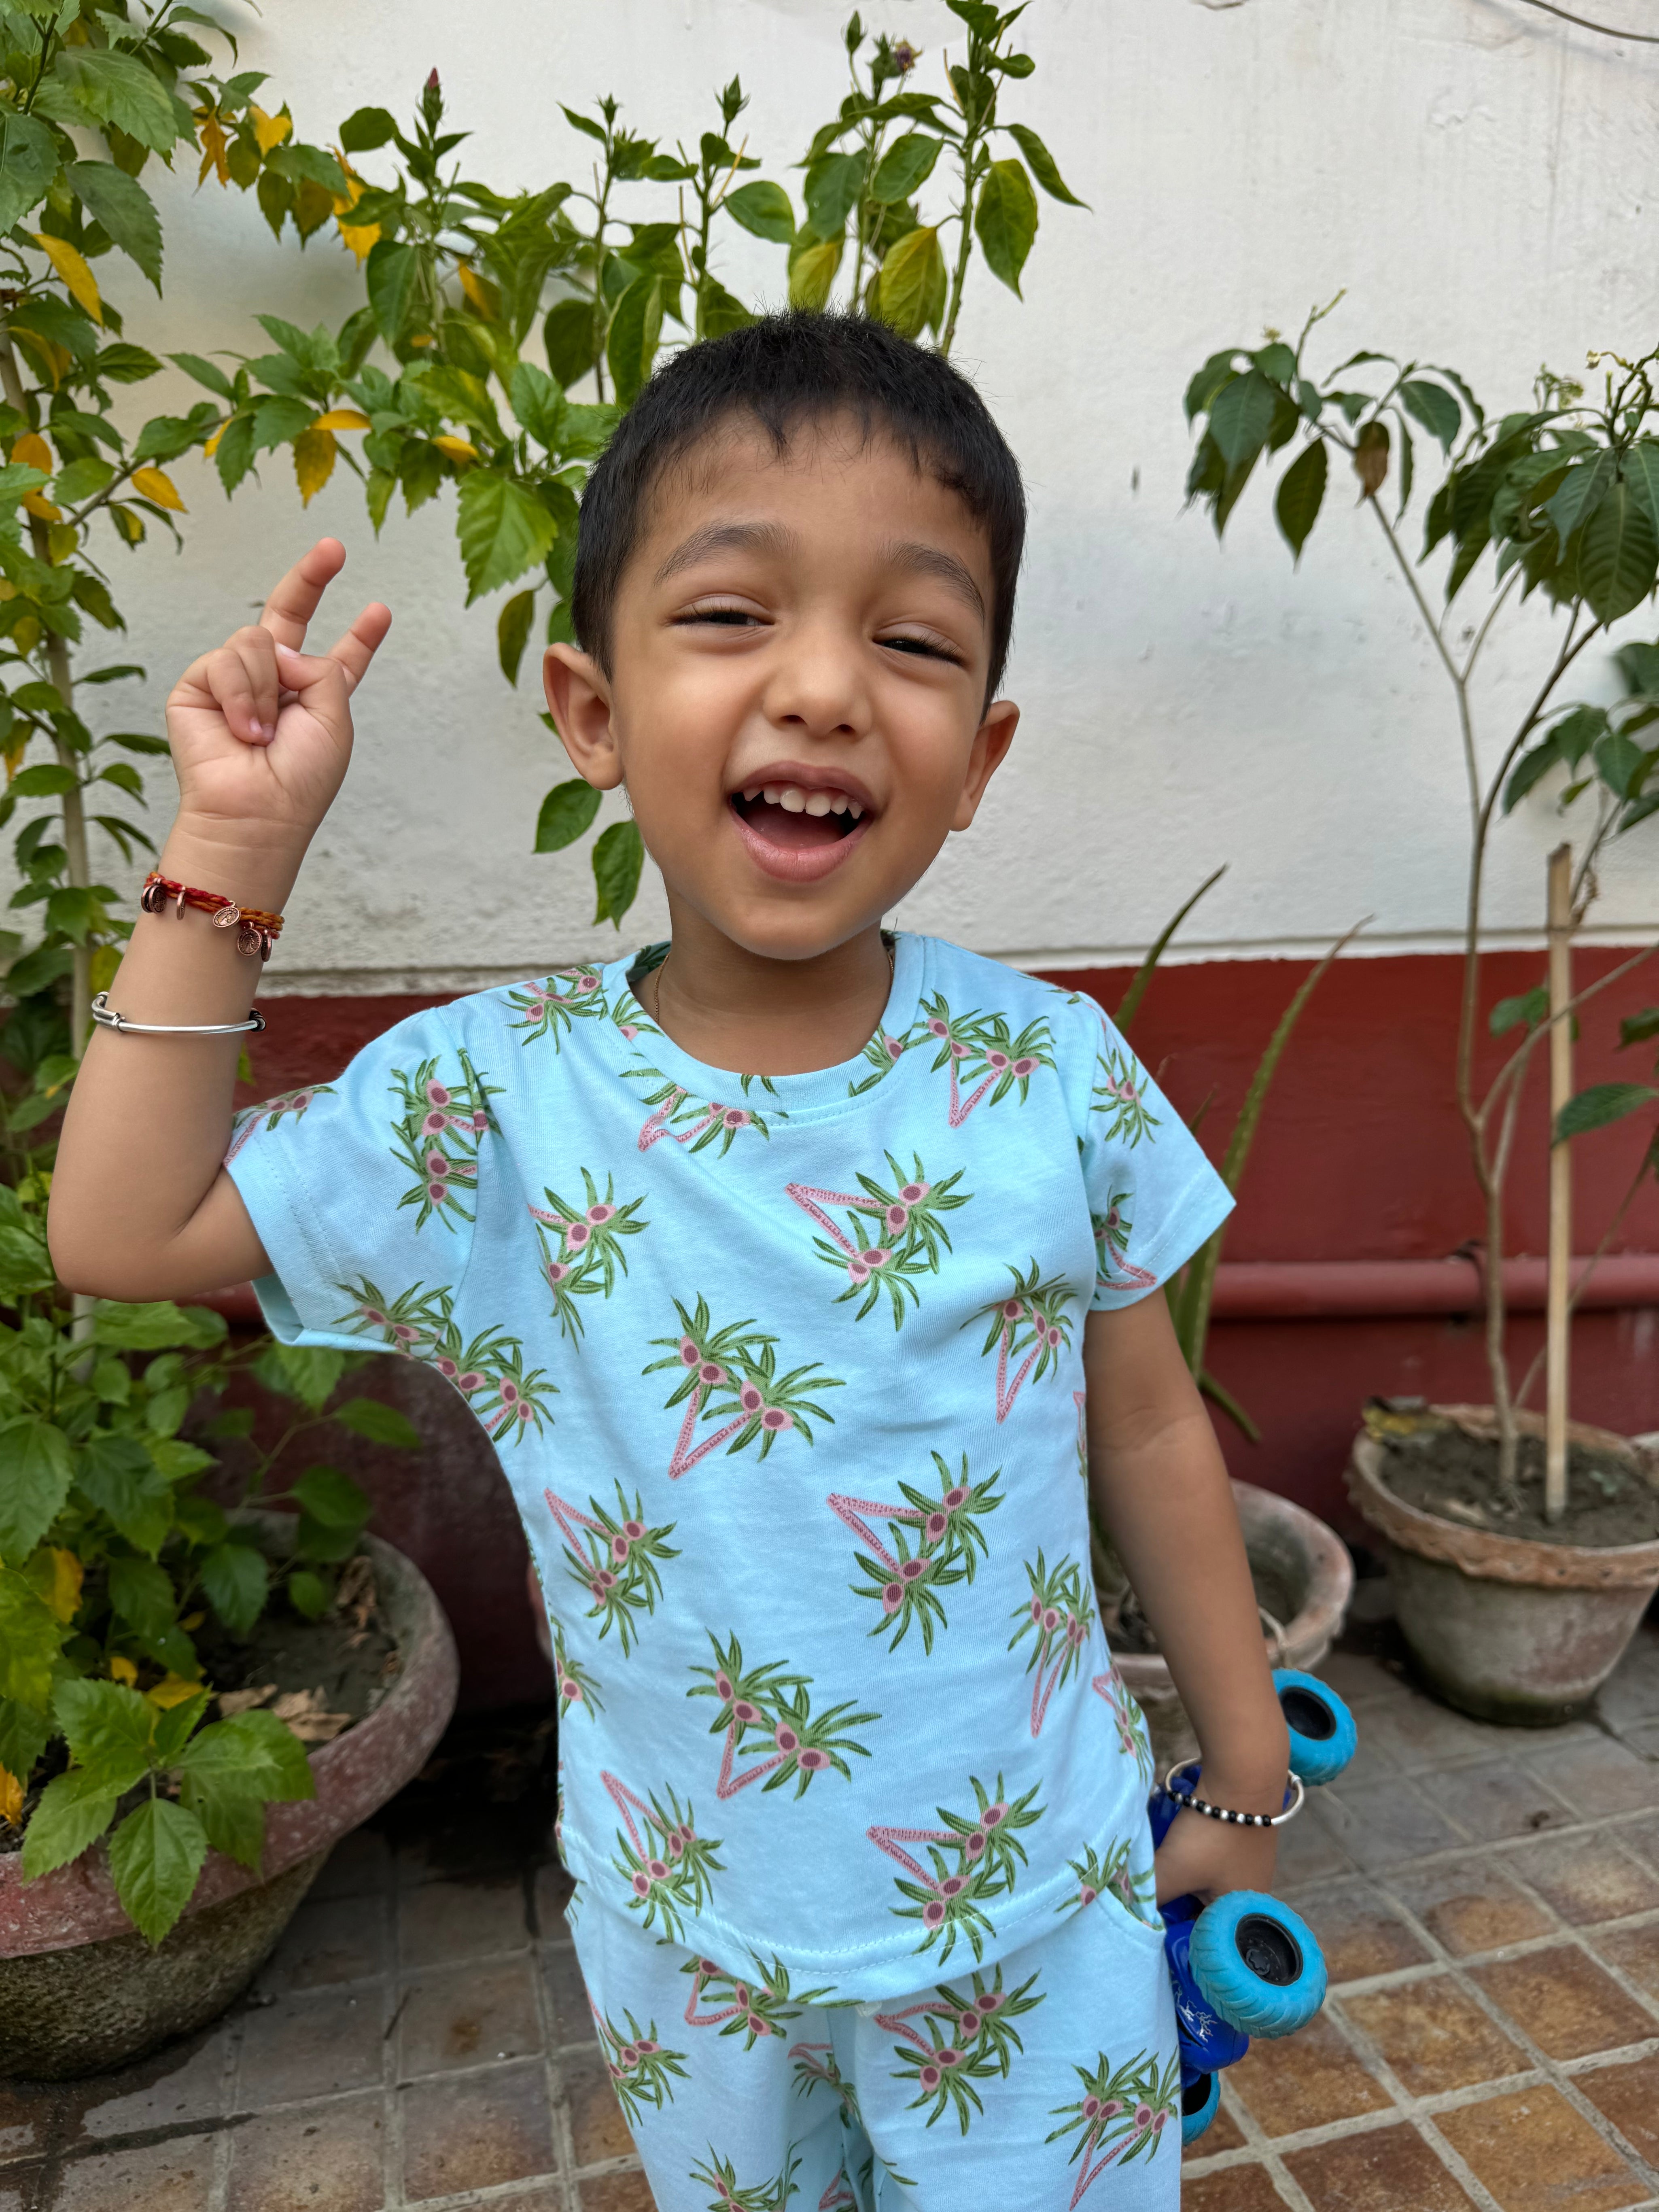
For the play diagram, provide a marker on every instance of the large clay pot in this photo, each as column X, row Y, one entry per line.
column 1304, row 1578
column 81, row 1990
column 1506, row 1628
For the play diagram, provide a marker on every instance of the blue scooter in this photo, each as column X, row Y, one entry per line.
column 1247, row 1964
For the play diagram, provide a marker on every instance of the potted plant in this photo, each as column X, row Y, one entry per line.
column 1520, row 1571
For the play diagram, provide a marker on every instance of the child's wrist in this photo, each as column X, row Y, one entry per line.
column 234, row 860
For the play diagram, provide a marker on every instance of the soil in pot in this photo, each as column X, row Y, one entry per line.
column 1444, row 1469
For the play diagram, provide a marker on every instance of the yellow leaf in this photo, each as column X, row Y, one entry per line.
column 71, row 267
column 64, row 1595
column 477, row 292
column 171, row 1690
column 360, row 237
column 212, row 445
column 457, row 448
column 341, row 418
column 154, row 483
column 11, row 1799
column 8, row 589
column 33, row 451
column 26, row 634
column 315, row 455
column 53, row 359
column 123, row 1670
column 269, row 129
column 191, row 1622
column 105, row 960
column 214, row 146
column 42, row 508
column 61, row 541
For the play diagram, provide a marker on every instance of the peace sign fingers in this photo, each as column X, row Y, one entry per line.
column 290, row 607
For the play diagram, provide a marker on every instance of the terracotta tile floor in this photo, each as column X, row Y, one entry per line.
column 1488, row 1902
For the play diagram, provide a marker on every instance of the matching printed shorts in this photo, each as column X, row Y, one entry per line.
column 1044, row 2082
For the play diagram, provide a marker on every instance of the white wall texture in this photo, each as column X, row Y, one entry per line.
column 1480, row 177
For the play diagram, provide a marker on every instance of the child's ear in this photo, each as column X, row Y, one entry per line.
column 579, row 700
column 991, row 742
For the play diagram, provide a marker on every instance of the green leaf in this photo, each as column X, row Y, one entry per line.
column 39, row 1465
column 24, row 1734
column 365, row 129
column 1617, row 553
column 1434, row 407
column 1005, row 220
column 1634, row 1029
column 235, row 1581
column 155, row 1855
column 722, row 312
column 107, row 1728
column 389, row 277
column 539, row 404
column 1620, row 762
column 812, row 274
column 1575, row 493
column 1575, row 733
column 763, row 209
column 125, row 210
column 173, row 1729
column 1301, row 492
column 233, row 456
column 31, row 1636
column 121, row 1479
column 618, row 853
column 906, row 164
column 330, row 1498
column 229, row 1773
column 1640, row 664
column 1601, row 1104
column 833, row 184
column 307, row 1372
column 630, row 346
column 503, row 528
column 567, row 812
column 74, row 1811
column 307, row 1594
column 29, row 162
column 108, row 86
column 141, row 1593
column 1528, row 770
column 1241, row 415
column 570, row 335
column 909, row 285
column 25, row 1267
column 513, row 632
column 46, row 781
column 158, row 1326
column 380, row 1423
column 205, row 372
column 126, row 364
column 1040, row 163
column 1642, row 474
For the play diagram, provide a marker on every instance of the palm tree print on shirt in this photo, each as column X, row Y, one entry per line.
column 614, row 1560
column 1120, row 1096
column 1032, row 1319
column 987, row 1854
column 549, row 1008
column 488, row 1372
column 979, row 1048
column 1123, row 2112
column 1132, row 1736
column 884, row 1054
column 1115, row 1873
column 438, row 1135
column 664, row 1861
column 1112, row 1230
column 582, row 1247
column 892, row 1235
column 949, row 1545
column 970, row 2038
column 290, row 1104
column 1059, row 1616
column 761, row 2005
column 642, row 2072
column 575, row 1688
column 730, row 1374
column 698, row 1122
column 763, row 1710
column 718, row 2174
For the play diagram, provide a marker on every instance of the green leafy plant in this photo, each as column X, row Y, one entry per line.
column 462, row 283
column 114, row 1562
column 1563, row 494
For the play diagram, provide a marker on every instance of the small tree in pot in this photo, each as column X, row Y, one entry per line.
column 1565, row 495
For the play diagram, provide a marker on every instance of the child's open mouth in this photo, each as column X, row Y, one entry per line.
column 798, row 820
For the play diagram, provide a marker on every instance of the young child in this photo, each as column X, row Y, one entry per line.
column 805, row 1275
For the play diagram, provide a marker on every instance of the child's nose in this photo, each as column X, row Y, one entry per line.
column 819, row 686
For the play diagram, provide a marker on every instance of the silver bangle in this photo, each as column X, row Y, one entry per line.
column 1193, row 1804
column 107, row 1019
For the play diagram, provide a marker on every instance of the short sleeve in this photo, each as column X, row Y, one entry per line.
column 363, row 1190
column 1153, row 1197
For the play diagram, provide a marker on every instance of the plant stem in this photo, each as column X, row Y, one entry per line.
column 966, row 243
column 1560, row 1185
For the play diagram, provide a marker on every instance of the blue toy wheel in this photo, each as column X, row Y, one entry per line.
column 1323, row 1738
column 1257, row 1963
column 1200, row 2100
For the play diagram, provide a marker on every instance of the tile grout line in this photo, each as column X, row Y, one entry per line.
column 391, row 2006
column 1290, row 2190
column 219, row 2188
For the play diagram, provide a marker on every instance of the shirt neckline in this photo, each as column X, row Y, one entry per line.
column 650, row 1050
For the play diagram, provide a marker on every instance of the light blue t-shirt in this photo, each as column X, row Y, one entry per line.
column 786, row 1376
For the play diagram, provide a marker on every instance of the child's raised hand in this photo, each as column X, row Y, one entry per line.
column 261, row 731
column 1203, row 1858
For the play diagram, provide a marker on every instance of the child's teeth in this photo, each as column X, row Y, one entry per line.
column 770, row 792
column 753, row 791
column 792, row 798
column 854, row 810
column 818, row 803
column 838, row 803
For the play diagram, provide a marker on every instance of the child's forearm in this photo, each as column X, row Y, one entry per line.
column 1160, row 1485
column 141, row 1205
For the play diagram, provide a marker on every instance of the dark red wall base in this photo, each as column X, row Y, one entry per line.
column 1360, row 1156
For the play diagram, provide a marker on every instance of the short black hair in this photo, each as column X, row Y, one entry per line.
column 782, row 370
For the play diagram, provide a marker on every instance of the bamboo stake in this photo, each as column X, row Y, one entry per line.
column 1561, row 1228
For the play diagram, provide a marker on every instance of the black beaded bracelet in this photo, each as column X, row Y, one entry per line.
column 1195, row 1804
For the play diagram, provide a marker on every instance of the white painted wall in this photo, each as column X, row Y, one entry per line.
column 1476, row 174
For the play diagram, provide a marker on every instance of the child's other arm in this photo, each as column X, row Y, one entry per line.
column 141, row 1207
column 1158, row 1482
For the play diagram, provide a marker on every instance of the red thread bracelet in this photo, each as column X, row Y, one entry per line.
column 256, row 930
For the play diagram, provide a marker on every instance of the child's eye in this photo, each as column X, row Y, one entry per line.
column 727, row 617
column 926, row 649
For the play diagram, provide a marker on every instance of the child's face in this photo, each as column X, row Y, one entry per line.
column 799, row 655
